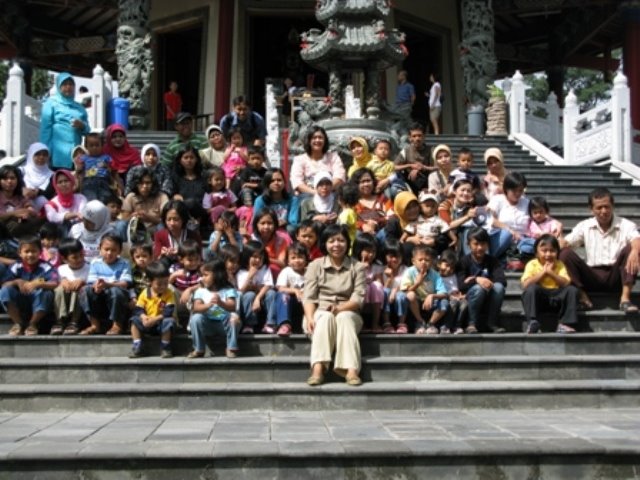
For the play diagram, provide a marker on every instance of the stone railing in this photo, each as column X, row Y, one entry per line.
column 599, row 134
column 20, row 115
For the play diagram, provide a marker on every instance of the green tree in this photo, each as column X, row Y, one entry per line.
column 41, row 82
column 588, row 85
column 538, row 87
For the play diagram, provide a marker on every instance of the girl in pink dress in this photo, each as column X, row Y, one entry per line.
column 235, row 156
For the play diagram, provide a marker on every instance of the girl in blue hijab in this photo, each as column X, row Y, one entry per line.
column 64, row 122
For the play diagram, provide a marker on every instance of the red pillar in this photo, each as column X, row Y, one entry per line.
column 223, row 68
column 631, row 57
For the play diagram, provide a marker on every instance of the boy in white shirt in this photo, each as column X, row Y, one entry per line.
column 73, row 276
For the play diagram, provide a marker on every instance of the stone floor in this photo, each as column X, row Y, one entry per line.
column 331, row 433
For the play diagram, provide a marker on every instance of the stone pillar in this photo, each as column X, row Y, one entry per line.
column 271, row 118
column 555, row 139
column 517, row 105
column 135, row 60
column 620, row 120
column 335, row 91
column 570, row 114
column 97, row 113
column 12, row 112
column 477, row 50
column 372, row 92
column 631, row 55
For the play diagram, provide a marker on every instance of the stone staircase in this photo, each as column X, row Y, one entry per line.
column 481, row 406
column 138, row 138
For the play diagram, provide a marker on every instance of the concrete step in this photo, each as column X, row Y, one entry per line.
column 577, row 195
column 289, row 396
column 441, row 443
column 121, row 370
column 372, row 345
column 572, row 218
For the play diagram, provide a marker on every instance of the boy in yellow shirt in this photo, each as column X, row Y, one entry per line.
column 348, row 195
column 155, row 311
column 383, row 168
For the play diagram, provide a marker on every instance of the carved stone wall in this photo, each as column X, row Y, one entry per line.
column 135, row 61
column 477, row 50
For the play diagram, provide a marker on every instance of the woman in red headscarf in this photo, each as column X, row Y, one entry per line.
column 123, row 156
column 64, row 209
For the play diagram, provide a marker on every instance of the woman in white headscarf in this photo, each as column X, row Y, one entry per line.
column 214, row 155
column 36, row 175
column 95, row 224
column 150, row 154
column 322, row 206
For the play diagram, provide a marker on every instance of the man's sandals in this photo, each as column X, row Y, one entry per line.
column 628, row 307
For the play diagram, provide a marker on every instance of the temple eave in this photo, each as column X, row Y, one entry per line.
column 348, row 9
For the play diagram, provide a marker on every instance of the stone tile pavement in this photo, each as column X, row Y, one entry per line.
column 205, row 434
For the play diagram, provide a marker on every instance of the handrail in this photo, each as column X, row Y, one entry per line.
column 202, row 121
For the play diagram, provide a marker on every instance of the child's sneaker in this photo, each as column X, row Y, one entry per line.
column 166, row 353
column 247, row 329
column 268, row 329
column 136, row 351
column 458, row 331
column 534, row 327
column 471, row 329
column 445, row 330
column 432, row 330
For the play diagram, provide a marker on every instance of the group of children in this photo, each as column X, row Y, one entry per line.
column 251, row 276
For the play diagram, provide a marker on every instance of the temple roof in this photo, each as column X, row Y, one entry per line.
column 355, row 46
column 530, row 35
column 327, row 9
column 69, row 35
column 537, row 34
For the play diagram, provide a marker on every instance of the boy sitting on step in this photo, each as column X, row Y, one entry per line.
column 27, row 288
column 481, row 278
column 155, row 311
column 425, row 290
column 73, row 275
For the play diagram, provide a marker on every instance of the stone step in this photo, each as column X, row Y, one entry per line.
column 571, row 219
column 578, row 195
column 287, row 396
column 372, row 345
column 446, row 443
column 578, row 207
column 180, row 370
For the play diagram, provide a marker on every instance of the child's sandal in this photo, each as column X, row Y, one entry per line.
column 388, row 328
column 56, row 329
column 72, row 329
column 31, row 330
column 91, row 330
column 402, row 328
column 115, row 329
column 16, row 330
